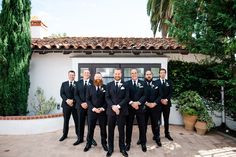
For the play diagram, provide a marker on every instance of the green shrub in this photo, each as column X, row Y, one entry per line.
column 43, row 106
column 190, row 103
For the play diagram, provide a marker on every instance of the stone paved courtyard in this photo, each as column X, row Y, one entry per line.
column 185, row 144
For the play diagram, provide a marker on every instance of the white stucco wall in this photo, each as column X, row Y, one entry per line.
column 187, row 57
column 38, row 32
column 48, row 71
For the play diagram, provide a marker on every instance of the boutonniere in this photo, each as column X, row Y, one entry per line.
column 102, row 90
column 167, row 84
column 140, row 85
column 152, row 85
column 73, row 85
column 122, row 88
column 89, row 84
column 120, row 84
column 156, row 87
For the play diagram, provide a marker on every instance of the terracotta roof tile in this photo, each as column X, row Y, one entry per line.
column 104, row 43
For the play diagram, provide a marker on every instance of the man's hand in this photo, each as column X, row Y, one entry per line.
column 70, row 102
column 116, row 109
column 101, row 109
column 97, row 110
column 164, row 101
column 151, row 105
column 135, row 105
column 84, row 105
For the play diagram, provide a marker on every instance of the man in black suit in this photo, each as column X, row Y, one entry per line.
column 96, row 111
column 117, row 97
column 68, row 103
column 137, row 99
column 81, row 104
column 153, row 108
column 166, row 87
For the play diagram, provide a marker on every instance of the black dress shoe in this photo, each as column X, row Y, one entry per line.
column 109, row 153
column 104, row 146
column 127, row 147
column 158, row 141
column 138, row 142
column 144, row 148
column 124, row 153
column 87, row 147
column 78, row 142
column 63, row 138
column 169, row 137
column 94, row 142
column 154, row 138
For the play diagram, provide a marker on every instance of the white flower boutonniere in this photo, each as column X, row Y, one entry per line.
column 167, row 84
column 103, row 90
column 89, row 84
column 74, row 85
column 140, row 85
column 120, row 84
column 152, row 85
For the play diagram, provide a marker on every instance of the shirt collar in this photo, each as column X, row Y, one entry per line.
column 117, row 81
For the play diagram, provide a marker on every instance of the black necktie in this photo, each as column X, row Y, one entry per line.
column 135, row 85
column 117, row 86
column 85, row 88
column 163, row 82
column 70, row 86
column 98, row 89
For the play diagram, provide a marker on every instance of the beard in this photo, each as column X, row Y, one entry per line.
column 149, row 79
column 98, row 82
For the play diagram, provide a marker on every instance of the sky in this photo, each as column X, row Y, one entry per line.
column 94, row 18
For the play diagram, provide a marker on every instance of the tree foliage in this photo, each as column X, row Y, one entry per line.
column 203, row 26
column 159, row 11
column 15, row 53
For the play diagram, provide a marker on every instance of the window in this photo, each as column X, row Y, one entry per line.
column 107, row 70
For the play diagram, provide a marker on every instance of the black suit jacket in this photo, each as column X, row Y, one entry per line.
column 80, row 93
column 153, row 92
column 120, row 97
column 137, row 94
column 67, row 93
column 166, row 90
column 96, row 98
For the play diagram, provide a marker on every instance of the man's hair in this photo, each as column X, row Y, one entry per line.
column 162, row 69
column 117, row 69
column 71, row 71
column 148, row 71
column 98, row 73
column 134, row 69
column 86, row 69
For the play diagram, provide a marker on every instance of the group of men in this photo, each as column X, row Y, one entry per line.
column 116, row 103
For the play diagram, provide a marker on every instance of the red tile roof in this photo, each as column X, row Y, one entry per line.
column 106, row 43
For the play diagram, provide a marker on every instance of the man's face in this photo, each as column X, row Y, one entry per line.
column 148, row 75
column 71, row 76
column 134, row 74
column 97, row 77
column 162, row 74
column 117, row 75
column 86, row 74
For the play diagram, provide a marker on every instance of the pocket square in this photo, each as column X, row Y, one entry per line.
column 122, row 88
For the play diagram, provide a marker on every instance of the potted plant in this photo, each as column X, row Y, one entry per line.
column 189, row 104
column 204, row 122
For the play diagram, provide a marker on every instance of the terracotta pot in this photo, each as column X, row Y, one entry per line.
column 201, row 127
column 189, row 122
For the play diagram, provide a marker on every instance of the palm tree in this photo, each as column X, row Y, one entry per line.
column 160, row 11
